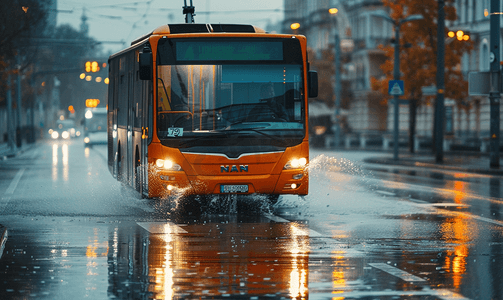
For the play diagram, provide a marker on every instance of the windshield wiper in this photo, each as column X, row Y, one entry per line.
column 256, row 130
column 251, row 125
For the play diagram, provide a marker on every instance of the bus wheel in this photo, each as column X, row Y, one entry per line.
column 272, row 199
column 119, row 165
column 119, row 171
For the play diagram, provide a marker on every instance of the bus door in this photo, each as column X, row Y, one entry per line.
column 145, row 119
column 130, row 124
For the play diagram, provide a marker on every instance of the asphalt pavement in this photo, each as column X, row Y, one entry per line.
column 452, row 161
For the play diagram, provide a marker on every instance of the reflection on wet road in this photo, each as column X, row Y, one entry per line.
column 363, row 232
column 477, row 194
column 223, row 257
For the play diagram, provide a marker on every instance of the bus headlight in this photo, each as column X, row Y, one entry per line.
column 54, row 134
column 296, row 163
column 65, row 135
column 167, row 165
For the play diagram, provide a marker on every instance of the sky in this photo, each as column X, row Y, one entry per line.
column 118, row 22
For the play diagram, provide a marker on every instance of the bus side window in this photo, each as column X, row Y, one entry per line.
column 122, row 102
column 150, row 92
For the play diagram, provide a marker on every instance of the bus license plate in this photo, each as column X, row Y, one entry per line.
column 239, row 188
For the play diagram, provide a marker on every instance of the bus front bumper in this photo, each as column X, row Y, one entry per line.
column 165, row 184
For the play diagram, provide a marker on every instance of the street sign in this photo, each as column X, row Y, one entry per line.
column 429, row 90
column 479, row 83
column 347, row 45
column 449, row 102
column 395, row 87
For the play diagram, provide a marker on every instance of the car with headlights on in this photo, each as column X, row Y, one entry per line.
column 64, row 129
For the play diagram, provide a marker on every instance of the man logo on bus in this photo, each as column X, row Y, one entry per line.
column 234, row 168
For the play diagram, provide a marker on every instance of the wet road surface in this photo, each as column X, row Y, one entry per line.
column 365, row 231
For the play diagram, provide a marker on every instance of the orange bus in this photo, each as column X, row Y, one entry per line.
column 211, row 109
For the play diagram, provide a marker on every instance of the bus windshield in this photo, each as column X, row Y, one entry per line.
column 228, row 101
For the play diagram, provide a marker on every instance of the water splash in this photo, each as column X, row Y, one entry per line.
column 237, row 204
column 335, row 182
column 330, row 172
column 322, row 163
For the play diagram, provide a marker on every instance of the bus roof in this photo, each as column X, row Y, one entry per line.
column 200, row 28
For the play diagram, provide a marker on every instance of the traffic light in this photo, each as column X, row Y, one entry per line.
column 88, row 66
column 92, row 102
column 92, row 66
column 95, row 67
column 459, row 35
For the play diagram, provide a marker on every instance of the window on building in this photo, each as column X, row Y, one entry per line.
column 484, row 58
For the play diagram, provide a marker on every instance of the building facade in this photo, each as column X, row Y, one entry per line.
column 360, row 32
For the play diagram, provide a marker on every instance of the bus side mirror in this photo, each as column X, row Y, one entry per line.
column 145, row 61
column 312, row 84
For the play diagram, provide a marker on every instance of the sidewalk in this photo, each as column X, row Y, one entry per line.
column 453, row 161
column 7, row 152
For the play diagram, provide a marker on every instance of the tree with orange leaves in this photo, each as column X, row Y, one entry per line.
column 418, row 62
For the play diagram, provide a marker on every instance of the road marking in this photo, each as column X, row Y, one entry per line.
column 276, row 218
column 449, row 295
column 442, row 191
column 299, row 232
column 386, row 193
column 449, row 205
column 14, row 182
column 440, row 294
column 162, row 227
column 467, row 215
column 10, row 190
column 437, row 208
column 396, row 272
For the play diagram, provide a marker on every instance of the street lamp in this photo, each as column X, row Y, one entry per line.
column 396, row 70
column 295, row 27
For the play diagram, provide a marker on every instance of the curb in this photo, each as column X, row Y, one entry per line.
column 3, row 239
column 497, row 172
column 10, row 154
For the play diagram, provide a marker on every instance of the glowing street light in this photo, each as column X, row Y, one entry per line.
column 295, row 26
